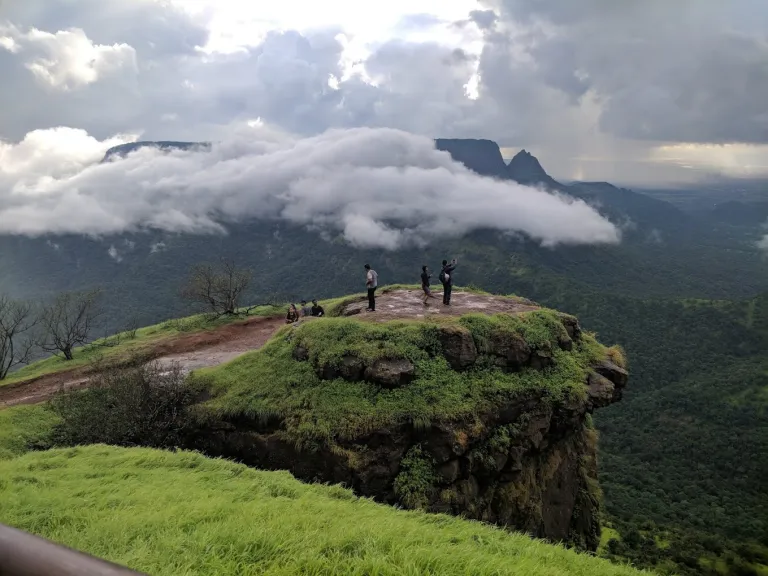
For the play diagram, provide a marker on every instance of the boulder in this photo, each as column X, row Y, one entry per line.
column 511, row 351
column 444, row 443
column 565, row 343
column 571, row 324
column 390, row 372
column 449, row 471
column 458, row 347
column 327, row 372
column 614, row 373
column 541, row 359
column 600, row 391
column 352, row 368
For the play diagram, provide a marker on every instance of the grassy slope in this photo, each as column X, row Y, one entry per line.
column 269, row 382
column 123, row 344
column 24, row 426
column 182, row 514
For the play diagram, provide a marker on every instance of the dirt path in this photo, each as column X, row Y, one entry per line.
column 191, row 351
column 399, row 304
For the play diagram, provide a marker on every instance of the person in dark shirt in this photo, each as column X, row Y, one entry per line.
column 446, row 278
column 425, row 276
column 317, row 310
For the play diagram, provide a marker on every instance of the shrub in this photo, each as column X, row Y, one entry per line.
column 138, row 404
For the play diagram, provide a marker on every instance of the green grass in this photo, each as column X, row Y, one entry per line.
column 270, row 382
column 123, row 344
column 606, row 535
column 24, row 426
column 181, row 514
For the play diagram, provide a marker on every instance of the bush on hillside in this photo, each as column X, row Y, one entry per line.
column 138, row 404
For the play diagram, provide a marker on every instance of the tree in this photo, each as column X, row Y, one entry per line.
column 218, row 288
column 68, row 321
column 16, row 320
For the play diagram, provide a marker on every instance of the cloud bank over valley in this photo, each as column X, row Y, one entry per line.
column 378, row 187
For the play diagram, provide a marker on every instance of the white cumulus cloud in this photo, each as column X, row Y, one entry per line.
column 378, row 187
column 66, row 59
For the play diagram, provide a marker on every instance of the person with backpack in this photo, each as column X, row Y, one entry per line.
column 425, row 276
column 446, row 279
column 371, row 283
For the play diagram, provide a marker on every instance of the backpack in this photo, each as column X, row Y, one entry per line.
column 443, row 277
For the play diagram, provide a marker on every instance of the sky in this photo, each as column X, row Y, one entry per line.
column 638, row 92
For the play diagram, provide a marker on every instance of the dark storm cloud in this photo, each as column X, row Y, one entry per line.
column 690, row 70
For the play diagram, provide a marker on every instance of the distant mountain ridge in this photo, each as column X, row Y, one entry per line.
column 621, row 205
column 643, row 214
column 123, row 149
column 740, row 213
column 481, row 156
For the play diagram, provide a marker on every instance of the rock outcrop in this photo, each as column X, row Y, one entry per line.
column 481, row 156
column 525, row 460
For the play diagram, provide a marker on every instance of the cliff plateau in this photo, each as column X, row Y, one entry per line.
column 471, row 412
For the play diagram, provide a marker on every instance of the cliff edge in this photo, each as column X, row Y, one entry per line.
column 480, row 411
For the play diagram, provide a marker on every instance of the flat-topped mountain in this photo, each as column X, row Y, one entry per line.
column 481, row 156
column 166, row 145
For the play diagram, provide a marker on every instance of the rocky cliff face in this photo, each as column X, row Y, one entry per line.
column 481, row 156
column 526, row 461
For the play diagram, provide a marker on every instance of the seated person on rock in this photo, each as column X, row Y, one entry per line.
column 306, row 309
column 293, row 315
column 317, row 310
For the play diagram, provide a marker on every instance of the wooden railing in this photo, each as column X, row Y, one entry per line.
column 23, row 554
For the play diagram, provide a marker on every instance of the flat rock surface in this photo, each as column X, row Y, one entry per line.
column 391, row 305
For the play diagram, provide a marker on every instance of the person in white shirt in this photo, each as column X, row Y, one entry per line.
column 371, row 283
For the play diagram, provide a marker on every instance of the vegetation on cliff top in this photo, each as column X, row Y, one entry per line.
column 182, row 514
column 272, row 383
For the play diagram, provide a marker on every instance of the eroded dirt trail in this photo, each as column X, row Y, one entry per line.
column 191, row 351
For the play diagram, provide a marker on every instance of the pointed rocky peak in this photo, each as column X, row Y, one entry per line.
column 525, row 168
column 481, row 156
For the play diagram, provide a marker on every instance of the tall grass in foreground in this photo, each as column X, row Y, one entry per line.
column 23, row 427
column 182, row 514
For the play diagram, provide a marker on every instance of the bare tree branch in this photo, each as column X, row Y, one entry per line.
column 16, row 320
column 68, row 321
column 219, row 289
